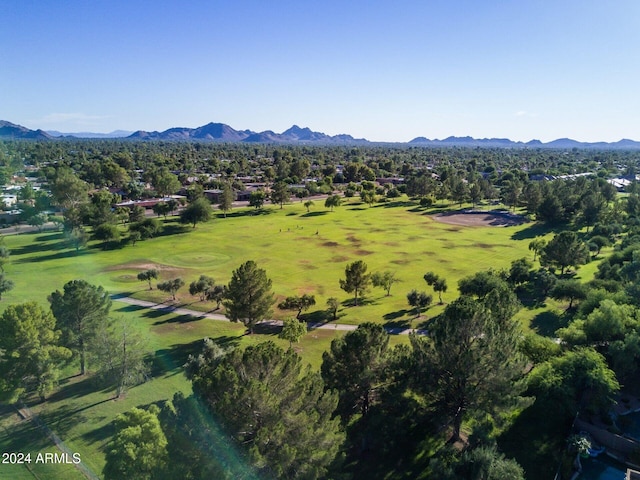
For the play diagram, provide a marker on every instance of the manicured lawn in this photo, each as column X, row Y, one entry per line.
column 302, row 253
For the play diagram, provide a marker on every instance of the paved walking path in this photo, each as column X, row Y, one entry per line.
column 215, row 316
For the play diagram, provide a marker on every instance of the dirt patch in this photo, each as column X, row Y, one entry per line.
column 339, row 259
column 483, row 245
column 330, row 244
column 307, row 265
column 125, row 278
column 305, row 289
column 363, row 252
column 355, row 241
column 391, row 244
column 480, row 219
column 401, row 262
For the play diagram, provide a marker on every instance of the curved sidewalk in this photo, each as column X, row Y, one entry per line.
column 215, row 316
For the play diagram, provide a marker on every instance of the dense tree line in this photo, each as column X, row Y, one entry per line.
column 36, row 343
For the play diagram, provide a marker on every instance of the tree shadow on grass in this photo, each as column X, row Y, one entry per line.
column 101, row 434
column 176, row 319
column 398, row 325
column 34, row 247
column 130, row 308
column 227, row 341
column 75, row 389
column 267, row 329
column 532, row 231
column 395, row 315
column 546, row 323
column 396, row 204
column 118, row 295
column 317, row 316
column 173, row 229
column 425, row 323
column 350, row 302
column 170, row 361
column 24, row 436
column 48, row 237
column 247, row 213
column 64, row 418
column 55, row 256
column 314, row 214
column 433, row 209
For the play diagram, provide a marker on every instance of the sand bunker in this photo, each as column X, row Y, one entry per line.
column 480, row 219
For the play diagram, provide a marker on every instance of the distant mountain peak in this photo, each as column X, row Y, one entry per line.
column 10, row 130
column 220, row 132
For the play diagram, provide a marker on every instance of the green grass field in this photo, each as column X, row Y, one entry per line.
column 301, row 252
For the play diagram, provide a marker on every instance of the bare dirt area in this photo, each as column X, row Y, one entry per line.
column 480, row 219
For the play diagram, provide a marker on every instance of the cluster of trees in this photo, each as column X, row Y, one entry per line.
column 84, row 209
column 458, row 175
column 35, row 343
column 368, row 401
column 277, row 415
column 358, row 281
column 247, row 298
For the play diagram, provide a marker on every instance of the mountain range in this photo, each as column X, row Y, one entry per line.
column 114, row 134
column 220, row 132
column 10, row 130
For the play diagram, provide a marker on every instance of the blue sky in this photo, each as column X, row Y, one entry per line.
column 385, row 71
